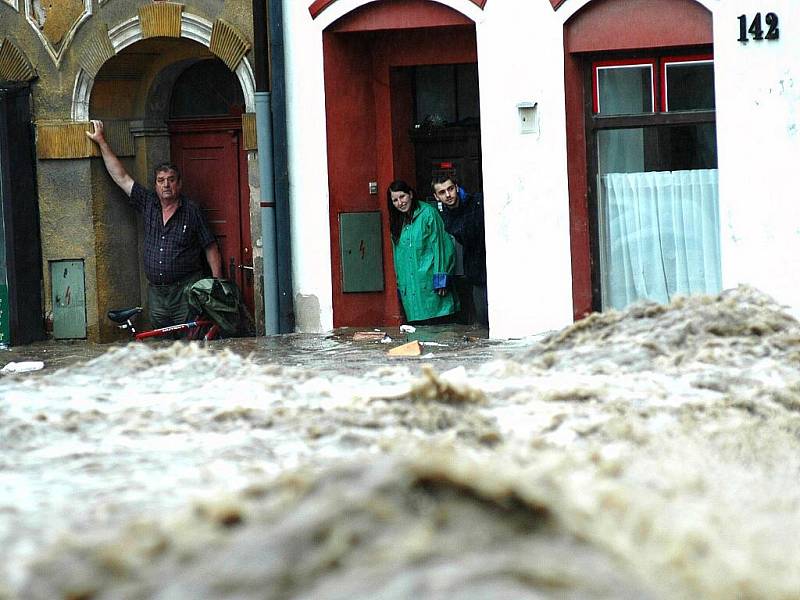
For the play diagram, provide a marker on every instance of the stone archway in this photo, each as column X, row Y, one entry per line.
column 220, row 37
column 131, row 94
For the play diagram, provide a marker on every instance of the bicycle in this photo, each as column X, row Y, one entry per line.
column 217, row 304
column 200, row 329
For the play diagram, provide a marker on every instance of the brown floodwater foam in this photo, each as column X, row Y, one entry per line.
column 649, row 453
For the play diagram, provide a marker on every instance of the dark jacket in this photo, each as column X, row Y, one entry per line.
column 465, row 224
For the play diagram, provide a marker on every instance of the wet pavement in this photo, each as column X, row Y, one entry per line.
column 444, row 346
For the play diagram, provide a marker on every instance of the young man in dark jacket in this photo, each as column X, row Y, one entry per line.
column 463, row 219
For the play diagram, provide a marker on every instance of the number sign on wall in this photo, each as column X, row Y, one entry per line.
column 755, row 30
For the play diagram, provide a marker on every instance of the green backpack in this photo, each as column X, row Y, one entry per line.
column 219, row 300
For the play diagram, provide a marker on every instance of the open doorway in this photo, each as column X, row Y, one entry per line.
column 444, row 139
column 401, row 102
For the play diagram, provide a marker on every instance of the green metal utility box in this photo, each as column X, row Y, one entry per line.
column 69, row 299
column 362, row 251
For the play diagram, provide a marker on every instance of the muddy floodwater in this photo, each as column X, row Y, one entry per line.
column 651, row 453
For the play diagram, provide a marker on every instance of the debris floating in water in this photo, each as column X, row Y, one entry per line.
column 22, row 367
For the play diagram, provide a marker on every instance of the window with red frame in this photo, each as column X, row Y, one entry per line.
column 653, row 173
column 642, row 86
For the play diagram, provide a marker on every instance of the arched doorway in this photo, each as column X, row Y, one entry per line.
column 641, row 121
column 401, row 93
column 172, row 98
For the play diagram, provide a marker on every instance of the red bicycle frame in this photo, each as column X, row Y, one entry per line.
column 213, row 330
column 199, row 329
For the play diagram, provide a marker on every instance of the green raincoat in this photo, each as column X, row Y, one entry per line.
column 424, row 260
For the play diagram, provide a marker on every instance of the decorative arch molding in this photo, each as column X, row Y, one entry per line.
column 193, row 27
column 67, row 21
column 14, row 65
column 318, row 6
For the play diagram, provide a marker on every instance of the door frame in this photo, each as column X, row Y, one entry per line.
column 357, row 63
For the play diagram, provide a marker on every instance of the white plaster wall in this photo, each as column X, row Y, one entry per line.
column 520, row 59
column 308, row 169
column 758, row 136
column 525, row 185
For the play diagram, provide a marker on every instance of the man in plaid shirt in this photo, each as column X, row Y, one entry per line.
column 176, row 235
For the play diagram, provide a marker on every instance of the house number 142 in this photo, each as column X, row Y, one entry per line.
column 756, row 31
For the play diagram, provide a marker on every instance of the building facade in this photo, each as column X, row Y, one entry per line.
column 626, row 149
column 171, row 82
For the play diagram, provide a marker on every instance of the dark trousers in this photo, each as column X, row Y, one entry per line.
column 474, row 308
column 480, row 304
column 168, row 304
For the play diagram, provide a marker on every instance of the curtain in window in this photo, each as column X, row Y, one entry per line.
column 659, row 235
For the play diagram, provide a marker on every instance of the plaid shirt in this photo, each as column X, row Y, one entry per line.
column 173, row 251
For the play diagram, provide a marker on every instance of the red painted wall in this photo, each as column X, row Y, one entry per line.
column 631, row 24
column 351, row 130
column 606, row 25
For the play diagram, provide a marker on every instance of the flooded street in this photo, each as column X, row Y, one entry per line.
column 653, row 453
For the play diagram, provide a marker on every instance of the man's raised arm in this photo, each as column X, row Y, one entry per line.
column 113, row 164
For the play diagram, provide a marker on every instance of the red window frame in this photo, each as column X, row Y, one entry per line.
column 685, row 59
column 659, row 82
column 624, row 62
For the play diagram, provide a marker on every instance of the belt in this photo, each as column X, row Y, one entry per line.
column 183, row 281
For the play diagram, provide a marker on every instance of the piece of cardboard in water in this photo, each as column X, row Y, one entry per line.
column 409, row 349
column 361, row 336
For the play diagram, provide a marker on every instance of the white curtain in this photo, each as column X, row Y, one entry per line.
column 659, row 235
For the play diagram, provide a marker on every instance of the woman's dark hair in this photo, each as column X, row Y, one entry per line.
column 396, row 218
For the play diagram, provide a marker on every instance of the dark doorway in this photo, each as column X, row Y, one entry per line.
column 443, row 135
column 446, row 132
column 21, row 319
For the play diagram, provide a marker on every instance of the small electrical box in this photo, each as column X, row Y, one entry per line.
column 361, row 241
column 528, row 117
column 68, row 290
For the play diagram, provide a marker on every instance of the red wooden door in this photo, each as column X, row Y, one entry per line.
column 213, row 165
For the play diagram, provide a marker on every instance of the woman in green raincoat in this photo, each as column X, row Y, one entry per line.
column 424, row 256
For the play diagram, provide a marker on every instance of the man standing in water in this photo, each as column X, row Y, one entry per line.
column 176, row 235
column 463, row 219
